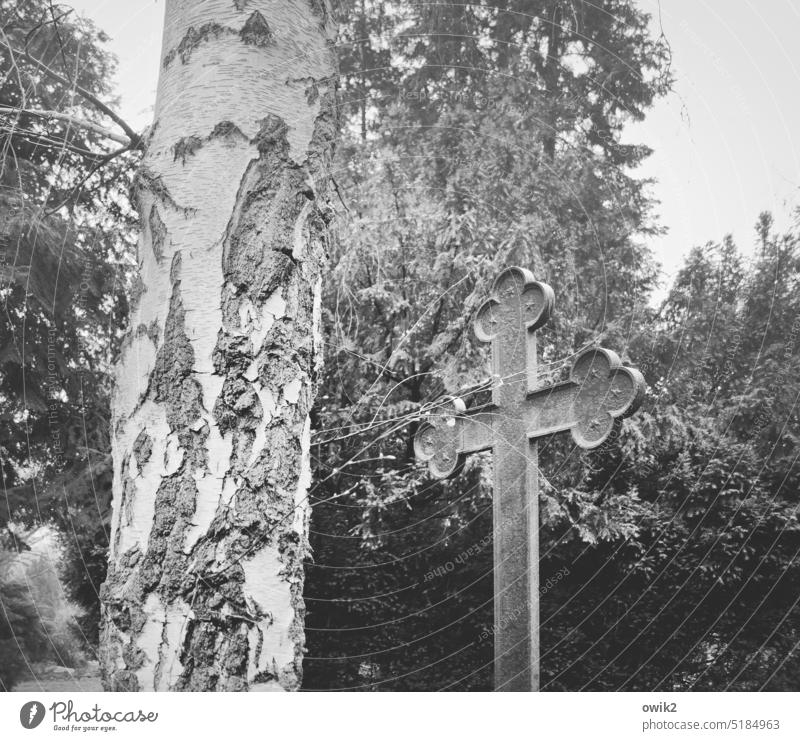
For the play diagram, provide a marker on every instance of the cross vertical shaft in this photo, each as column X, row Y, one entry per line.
column 600, row 391
column 515, row 506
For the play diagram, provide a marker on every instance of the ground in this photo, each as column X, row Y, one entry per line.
column 53, row 678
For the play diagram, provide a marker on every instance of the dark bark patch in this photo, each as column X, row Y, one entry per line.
column 158, row 233
column 150, row 330
column 191, row 40
column 227, row 130
column 239, row 409
column 199, row 658
column 164, row 564
column 289, row 678
column 312, row 93
column 265, row 677
column 156, row 185
column 185, row 147
column 128, row 493
column 130, row 558
column 312, row 86
column 322, row 146
column 137, row 289
column 153, row 331
column 124, row 681
column 119, row 615
column 232, row 400
column 175, row 268
column 272, row 135
column 258, row 251
column 171, row 378
column 142, row 448
column 215, row 651
column 256, row 30
column 214, row 589
column 157, row 673
column 252, row 267
column 240, row 4
column 236, row 653
column 276, row 468
column 134, row 657
column 232, row 352
column 283, row 356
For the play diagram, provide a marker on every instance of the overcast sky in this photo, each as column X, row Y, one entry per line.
column 724, row 141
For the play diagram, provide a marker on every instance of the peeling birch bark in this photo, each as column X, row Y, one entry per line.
column 211, row 431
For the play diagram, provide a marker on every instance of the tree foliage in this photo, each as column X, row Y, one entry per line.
column 476, row 136
column 64, row 240
column 483, row 136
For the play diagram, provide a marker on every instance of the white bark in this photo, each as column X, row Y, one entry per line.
column 216, row 379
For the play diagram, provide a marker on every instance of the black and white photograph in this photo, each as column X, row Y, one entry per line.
column 400, row 347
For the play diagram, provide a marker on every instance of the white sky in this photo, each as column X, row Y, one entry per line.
column 724, row 142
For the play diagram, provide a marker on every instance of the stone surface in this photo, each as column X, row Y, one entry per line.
column 600, row 391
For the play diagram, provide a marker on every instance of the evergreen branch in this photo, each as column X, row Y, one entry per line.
column 101, row 161
column 135, row 140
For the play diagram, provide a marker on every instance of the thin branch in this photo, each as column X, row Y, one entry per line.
column 81, row 122
column 46, row 141
column 58, row 33
column 135, row 139
column 104, row 160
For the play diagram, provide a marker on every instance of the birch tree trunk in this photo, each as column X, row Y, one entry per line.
column 216, row 379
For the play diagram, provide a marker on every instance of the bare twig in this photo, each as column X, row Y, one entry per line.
column 135, row 140
column 47, row 141
column 81, row 122
column 58, row 33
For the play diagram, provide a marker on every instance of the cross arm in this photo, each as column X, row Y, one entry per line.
column 450, row 432
column 600, row 391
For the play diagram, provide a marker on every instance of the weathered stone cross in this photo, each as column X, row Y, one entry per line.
column 599, row 392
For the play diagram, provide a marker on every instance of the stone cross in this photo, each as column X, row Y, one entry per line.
column 598, row 393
